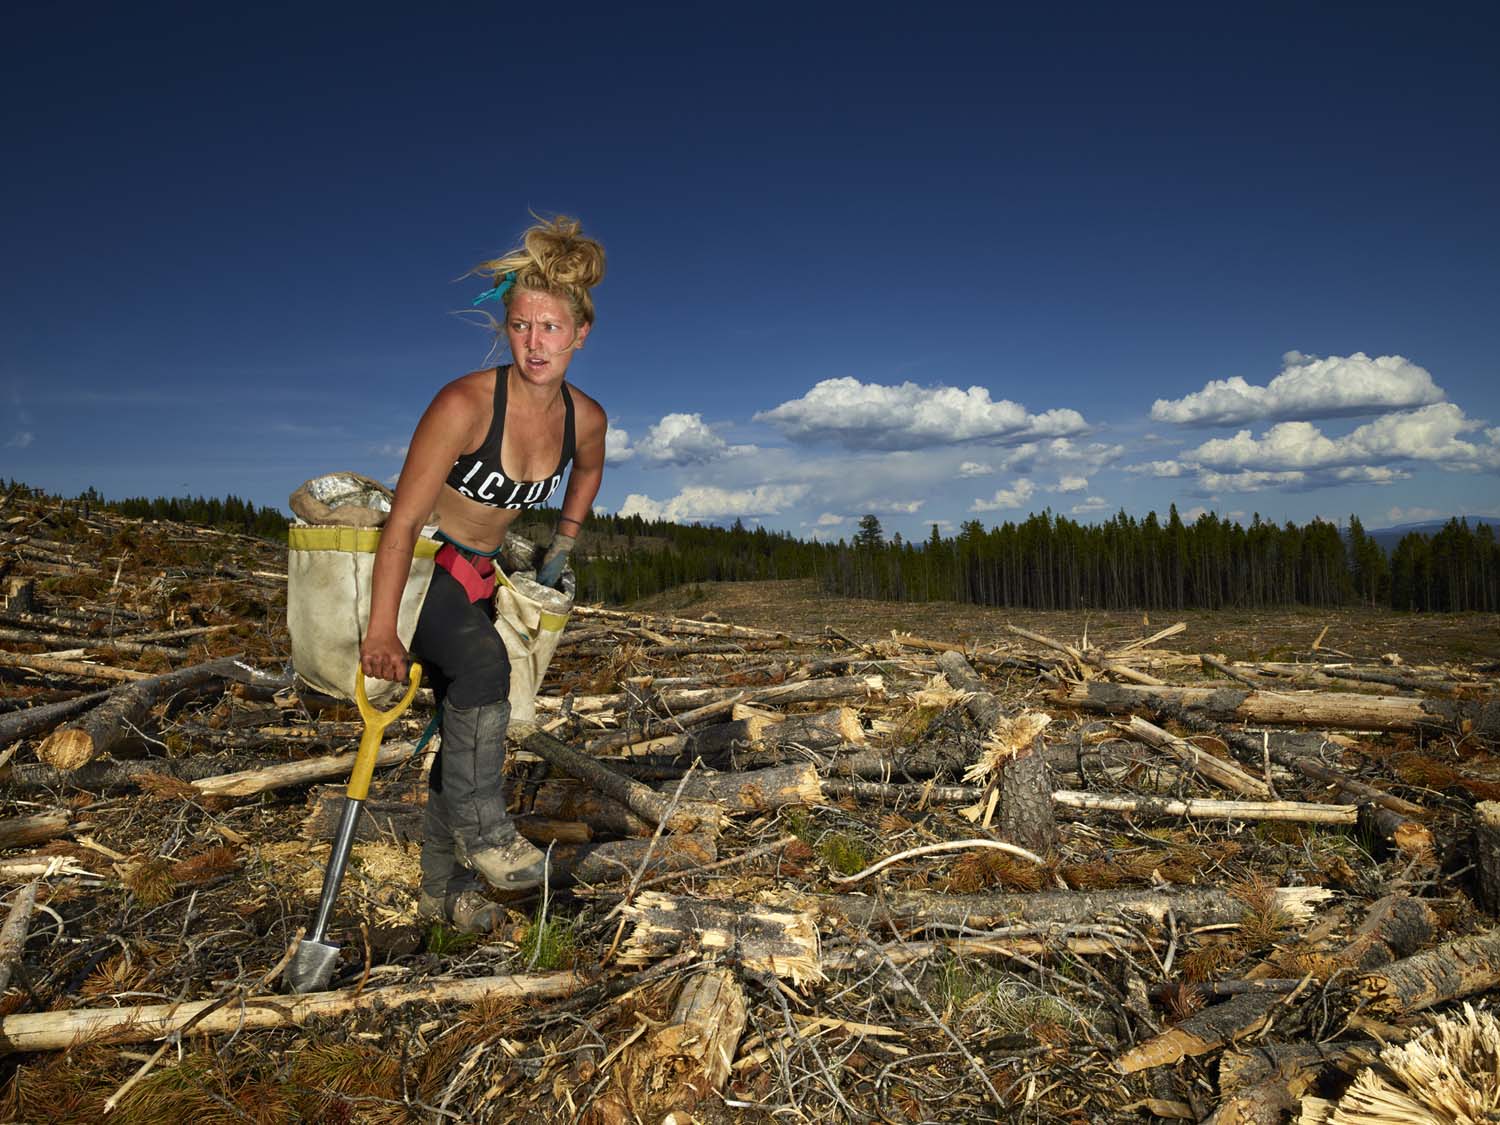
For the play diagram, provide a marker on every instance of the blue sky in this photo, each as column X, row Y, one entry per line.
column 919, row 261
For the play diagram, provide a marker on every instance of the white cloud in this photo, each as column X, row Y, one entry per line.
column 1308, row 387
column 704, row 502
column 1162, row 468
column 684, row 439
column 828, row 519
column 1430, row 434
column 1006, row 497
column 975, row 469
column 1072, row 484
column 617, row 444
column 1249, row 480
column 885, row 507
column 876, row 416
column 1090, row 506
column 20, row 439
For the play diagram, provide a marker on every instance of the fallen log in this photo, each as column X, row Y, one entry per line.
column 51, row 1031
column 614, row 860
column 105, row 775
column 691, row 1056
column 402, row 820
column 569, row 799
column 1407, row 836
column 757, row 937
column 89, row 644
column 13, row 933
column 1222, row 773
column 1252, row 749
column 659, row 727
column 18, row 831
column 20, row 868
column 656, row 807
column 1149, row 807
column 116, row 719
column 247, row 783
column 34, row 720
column 1487, row 855
column 1192, row 906
column 1392, row 923
column 1267, row 1083
column 75, row 668
column 1017, row 771
column 1455, row 969
column 755, row 790
column 1321, row 709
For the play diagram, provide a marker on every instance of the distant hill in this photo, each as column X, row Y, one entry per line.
column 1388, row 537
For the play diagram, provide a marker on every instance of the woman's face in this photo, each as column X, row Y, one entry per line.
column 542, row 335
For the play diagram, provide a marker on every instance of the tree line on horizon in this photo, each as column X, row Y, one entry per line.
column 1046, row 561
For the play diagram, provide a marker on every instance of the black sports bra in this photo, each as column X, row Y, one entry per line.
column 479, row 476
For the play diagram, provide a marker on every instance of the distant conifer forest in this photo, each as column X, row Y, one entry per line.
column 1046, row 561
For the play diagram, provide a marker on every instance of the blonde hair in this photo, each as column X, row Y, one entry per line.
column 554, row 257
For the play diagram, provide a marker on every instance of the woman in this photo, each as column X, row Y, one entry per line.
column 492, row 444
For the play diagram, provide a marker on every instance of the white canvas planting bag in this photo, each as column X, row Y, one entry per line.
column 330, row 559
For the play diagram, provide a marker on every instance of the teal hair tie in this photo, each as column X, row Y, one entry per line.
column 498, row 291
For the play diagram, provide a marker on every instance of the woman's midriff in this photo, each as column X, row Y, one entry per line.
column 473, row 524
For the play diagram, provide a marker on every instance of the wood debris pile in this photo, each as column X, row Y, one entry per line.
column 824, row 877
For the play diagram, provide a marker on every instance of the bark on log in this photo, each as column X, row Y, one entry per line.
column 1025, row 785
column 644, row 802
column 616, row 860
column 918, row 793
column 1223, row 773
column 939, row 759
column 383, row 819
column 760, row 938
column 838, row 726
column 1487, row 855
column 1321, row 709
column 1407, row 836
column 13, row 933
column 1251, row 749
column 1269, row 1082
column 1446, row 972
column 18, row 831
column 112, row 722
column 75, row 668
column 247, row 783
column 34, row 720
column 1192, row 906
column 89, row 644
column 659, row 727
column 569, row 799
column 1150, row 807
column 105, row 775
column 1392, row 923
column 692, row 1054
column 50, row 1031
column 755, row 790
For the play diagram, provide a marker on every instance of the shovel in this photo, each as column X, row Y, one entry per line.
column 312, row 963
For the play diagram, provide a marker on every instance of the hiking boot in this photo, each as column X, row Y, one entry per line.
column 516, row 866
column 468, row 912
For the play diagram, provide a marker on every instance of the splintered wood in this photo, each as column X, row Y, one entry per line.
column 849, row 862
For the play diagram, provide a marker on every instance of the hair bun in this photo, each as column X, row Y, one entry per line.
column 563, row 255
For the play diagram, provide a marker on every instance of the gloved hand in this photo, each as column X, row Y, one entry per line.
column 550, row 572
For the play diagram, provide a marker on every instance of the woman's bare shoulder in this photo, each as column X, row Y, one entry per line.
column 588, row 413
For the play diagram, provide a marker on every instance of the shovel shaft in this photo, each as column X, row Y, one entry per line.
column 338, row 859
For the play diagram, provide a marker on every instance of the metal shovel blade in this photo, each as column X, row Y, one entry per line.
column 311, row 966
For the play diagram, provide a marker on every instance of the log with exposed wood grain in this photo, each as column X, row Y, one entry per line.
column 1152, row 807
column 18, row 831
column 766, row 939
column 1304, row 708
column 1450, row 971
column 51, row 1031
column 1020, row 774
column 116, row 719
column 753, row 790
column 13, row 932
column 691, row 1055
column 1223, row 773
column 613, row 861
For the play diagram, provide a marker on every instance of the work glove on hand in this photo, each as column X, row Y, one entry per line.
column 550, row 572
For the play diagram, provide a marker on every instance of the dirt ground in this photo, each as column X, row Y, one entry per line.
column 1366, row 634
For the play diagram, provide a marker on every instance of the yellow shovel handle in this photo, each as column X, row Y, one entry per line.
column 375, row 724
